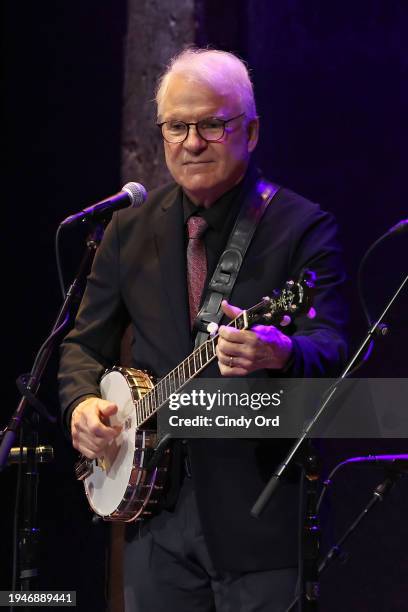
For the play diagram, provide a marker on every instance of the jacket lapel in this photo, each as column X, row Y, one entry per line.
column 170, row 244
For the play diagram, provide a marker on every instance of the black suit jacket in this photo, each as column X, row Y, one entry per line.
column 139, row 276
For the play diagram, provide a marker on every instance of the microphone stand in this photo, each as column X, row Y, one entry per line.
column 273, row 483
column 310, row 534
column 379, row 494
column 28, row 421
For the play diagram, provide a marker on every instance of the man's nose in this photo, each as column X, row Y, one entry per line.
column 194, row 142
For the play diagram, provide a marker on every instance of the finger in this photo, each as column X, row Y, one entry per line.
column 237, row 336
column 87, row 445
column 227, row 349
column 87, row 451
column 86, row 441
column 236, row 361
column 229, row 360
column 233, row 363
column 230, row 310
column 98, row 425
column 109, row 416
column 108, row 410
column 286, row 320
column 95, row 436
column 93, row 408
column 235, row 371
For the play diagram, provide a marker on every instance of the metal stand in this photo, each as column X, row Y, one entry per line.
column 335, row 552
column 28, row 412
column 311, row 532
column 272, row 485
column 380, row 492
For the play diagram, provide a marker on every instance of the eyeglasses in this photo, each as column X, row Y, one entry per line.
column 211, row 129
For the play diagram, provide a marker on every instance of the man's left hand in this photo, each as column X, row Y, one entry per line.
column 242, row 351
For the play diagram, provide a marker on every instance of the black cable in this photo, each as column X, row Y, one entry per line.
column 47, row 341
column 382, row 328
column 360, row 277
column 58, row 262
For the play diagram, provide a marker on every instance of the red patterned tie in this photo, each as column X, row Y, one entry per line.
column 196, row 263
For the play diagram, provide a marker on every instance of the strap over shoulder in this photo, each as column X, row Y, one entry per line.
column 223, row 280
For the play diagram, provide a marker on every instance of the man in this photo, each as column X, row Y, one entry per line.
column 203, row 551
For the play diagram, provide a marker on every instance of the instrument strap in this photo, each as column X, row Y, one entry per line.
column 223, row 280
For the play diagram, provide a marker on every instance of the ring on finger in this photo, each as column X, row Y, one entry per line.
column 231, row 362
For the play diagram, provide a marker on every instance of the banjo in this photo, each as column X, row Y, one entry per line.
column 126, row 483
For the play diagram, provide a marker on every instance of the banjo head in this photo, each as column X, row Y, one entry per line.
column 107, row 485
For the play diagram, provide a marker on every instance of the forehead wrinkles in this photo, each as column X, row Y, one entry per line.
column 188, row 99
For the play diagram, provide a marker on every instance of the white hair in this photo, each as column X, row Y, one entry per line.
column 220, row 70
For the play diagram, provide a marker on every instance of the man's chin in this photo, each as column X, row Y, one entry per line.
column 199, row 171
column 199, row 183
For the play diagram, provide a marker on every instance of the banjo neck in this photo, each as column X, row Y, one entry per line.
column 182, row 374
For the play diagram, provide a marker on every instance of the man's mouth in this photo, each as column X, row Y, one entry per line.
column 188, row 163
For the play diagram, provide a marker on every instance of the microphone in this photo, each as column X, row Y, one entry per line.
column 132, row 194
column 401, row 226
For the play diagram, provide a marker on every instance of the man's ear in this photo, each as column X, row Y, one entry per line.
column 253, row 134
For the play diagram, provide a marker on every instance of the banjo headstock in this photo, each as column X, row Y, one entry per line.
column 294, row 299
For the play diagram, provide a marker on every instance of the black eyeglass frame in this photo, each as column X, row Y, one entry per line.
column 196, row 124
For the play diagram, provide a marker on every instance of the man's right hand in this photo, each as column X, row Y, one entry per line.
column 90, row 430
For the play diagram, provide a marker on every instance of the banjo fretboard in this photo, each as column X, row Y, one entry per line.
column 188, row 369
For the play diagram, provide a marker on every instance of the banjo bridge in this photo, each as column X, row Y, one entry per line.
column 101, row 463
